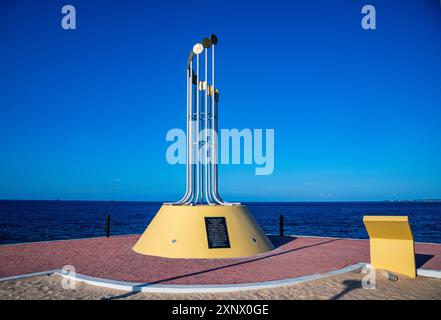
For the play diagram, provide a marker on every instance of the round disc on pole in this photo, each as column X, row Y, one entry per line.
column 213, row 39
column 198, row 48
column 206, row 43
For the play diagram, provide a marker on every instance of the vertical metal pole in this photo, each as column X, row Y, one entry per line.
column 198, row 162
column 214, row 127
column 201, row 139
column 281, row 225
column 108, row 226
column 188, row 168
column 214, row 121
column 190, row 134
column 194, row 156
column 207, row 164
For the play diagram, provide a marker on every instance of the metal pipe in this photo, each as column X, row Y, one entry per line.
column 214, row 121
column 198, row 164
column 213, row 127
column 188, row 165
column 194, row 135
column 215, row 169
column 191, row 146
column 190, row 134
column 207, row 164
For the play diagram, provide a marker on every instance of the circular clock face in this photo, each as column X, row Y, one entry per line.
column 198, row 48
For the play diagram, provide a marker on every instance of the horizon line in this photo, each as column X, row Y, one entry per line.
column 246, row 201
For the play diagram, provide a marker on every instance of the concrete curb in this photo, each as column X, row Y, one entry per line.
column 429, row 273
column 157, row 288
column 28, row 275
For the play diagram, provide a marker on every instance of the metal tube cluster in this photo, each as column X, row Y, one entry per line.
column 202, row 126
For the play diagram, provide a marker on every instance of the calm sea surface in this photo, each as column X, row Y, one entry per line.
column 25, row 221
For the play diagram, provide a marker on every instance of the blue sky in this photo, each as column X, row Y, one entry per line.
column 356, row 113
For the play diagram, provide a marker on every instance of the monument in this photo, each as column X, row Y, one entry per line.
column 201, row 224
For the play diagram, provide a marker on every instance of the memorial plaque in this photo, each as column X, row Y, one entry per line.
column 217, row 232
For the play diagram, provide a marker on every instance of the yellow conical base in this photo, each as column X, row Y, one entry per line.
column 181, row 232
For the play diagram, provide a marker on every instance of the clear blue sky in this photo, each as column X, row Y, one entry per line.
column 357, row 114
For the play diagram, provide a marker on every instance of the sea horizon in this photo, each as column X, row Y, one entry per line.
column 43, row 220
column 244, row 201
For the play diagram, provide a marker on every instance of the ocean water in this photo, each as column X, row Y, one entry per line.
column 26, row 221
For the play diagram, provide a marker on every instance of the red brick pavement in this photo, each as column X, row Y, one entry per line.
column 112, row 258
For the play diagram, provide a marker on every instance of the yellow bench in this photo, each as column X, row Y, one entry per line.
column 391, row 244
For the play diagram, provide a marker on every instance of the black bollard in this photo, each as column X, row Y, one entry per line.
column 281, row 225
column 108, row 226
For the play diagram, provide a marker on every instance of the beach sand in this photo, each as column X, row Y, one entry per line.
column 345, row 286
